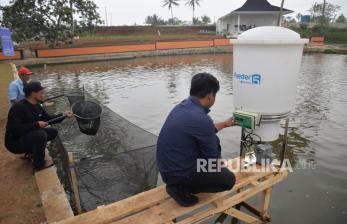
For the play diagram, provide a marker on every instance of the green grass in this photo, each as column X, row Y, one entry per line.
column 140, row 37
column 331, row 35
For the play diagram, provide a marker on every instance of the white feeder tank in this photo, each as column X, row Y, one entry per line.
column 266, row 70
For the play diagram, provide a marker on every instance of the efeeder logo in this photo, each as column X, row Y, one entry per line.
column 254, row 79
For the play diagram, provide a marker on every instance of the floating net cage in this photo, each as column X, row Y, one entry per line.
column 116, row 163
column 87, row 114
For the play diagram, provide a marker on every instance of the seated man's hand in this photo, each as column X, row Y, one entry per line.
column 229, row 123
column 43, row 124
column 69, row 114
column 226, row 124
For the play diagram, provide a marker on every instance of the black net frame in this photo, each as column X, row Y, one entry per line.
column 87, row 114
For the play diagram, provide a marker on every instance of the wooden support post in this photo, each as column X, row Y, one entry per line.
column 74, row 183
column 235, row 220
column 242, row 216
column 254, row 210
column 265, row 203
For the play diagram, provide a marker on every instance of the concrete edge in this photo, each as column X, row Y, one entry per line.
column 54, row 199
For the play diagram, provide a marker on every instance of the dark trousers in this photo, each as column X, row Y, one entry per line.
column 208, row 182
column 34, row 143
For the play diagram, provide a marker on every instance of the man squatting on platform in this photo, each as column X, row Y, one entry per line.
column 27, row 129
column 187, row 136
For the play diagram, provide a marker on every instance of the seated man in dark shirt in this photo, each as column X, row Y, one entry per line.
column 27, row 131
column 187, row 136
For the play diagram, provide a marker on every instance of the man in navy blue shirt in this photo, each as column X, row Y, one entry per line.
column 188, row 136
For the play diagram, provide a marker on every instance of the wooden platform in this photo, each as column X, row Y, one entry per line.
column 155, row 206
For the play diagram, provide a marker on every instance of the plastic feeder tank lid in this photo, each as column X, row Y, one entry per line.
column 269, row 35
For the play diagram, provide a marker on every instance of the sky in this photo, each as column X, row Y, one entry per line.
column 130, row 12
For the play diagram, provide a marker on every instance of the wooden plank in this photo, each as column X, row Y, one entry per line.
column 118, row 210
column 149, row 204
column 265, row 203
column 137, row 203
column 242, row 216
column 74, row 183
column 199, row 217
column 244, row 195
column 238, row 207
column 115, row 211
column 169, row 210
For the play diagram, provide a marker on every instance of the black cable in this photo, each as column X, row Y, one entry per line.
column 249, row 140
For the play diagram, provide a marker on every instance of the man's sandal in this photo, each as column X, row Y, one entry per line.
column 27, row 157
column 48, row 163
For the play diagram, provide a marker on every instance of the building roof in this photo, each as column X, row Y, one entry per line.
column 259, row 5
column 253, row 6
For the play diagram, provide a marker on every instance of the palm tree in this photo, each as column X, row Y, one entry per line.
column 170, row 4
column 193, row 4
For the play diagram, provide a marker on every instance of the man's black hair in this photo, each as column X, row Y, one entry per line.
column 31, row 87
column 203, row 84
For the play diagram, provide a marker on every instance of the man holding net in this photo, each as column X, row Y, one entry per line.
column 27, row 128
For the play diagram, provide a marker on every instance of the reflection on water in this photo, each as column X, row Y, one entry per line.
column 145, row 90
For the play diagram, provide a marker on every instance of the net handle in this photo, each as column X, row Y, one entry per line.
column 53, row 98
column 55, row 119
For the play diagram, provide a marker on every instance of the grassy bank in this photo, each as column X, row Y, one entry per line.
column 121, row 35
column 331, row 35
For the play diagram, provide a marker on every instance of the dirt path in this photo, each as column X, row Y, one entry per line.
column 20, row 202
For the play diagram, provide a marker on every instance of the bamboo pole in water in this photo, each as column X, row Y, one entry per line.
column 74, row 183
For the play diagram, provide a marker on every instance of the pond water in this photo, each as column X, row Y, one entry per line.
column 145, row 90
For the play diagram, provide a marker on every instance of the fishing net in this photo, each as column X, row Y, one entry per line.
column 75, row 98
column 118, row 162
column 87, row 114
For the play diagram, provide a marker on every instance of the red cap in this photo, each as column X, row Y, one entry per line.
column 24, row 71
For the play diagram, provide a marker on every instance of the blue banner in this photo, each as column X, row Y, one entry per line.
column 7, row 46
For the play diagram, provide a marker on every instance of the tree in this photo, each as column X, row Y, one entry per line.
column 170, row 4
column 52, row 20
column 174, row 21
column 197, row 21
column 205, row 19
column 323, row 13
column 341, row 19
column 193, row 4
column 154, row 20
